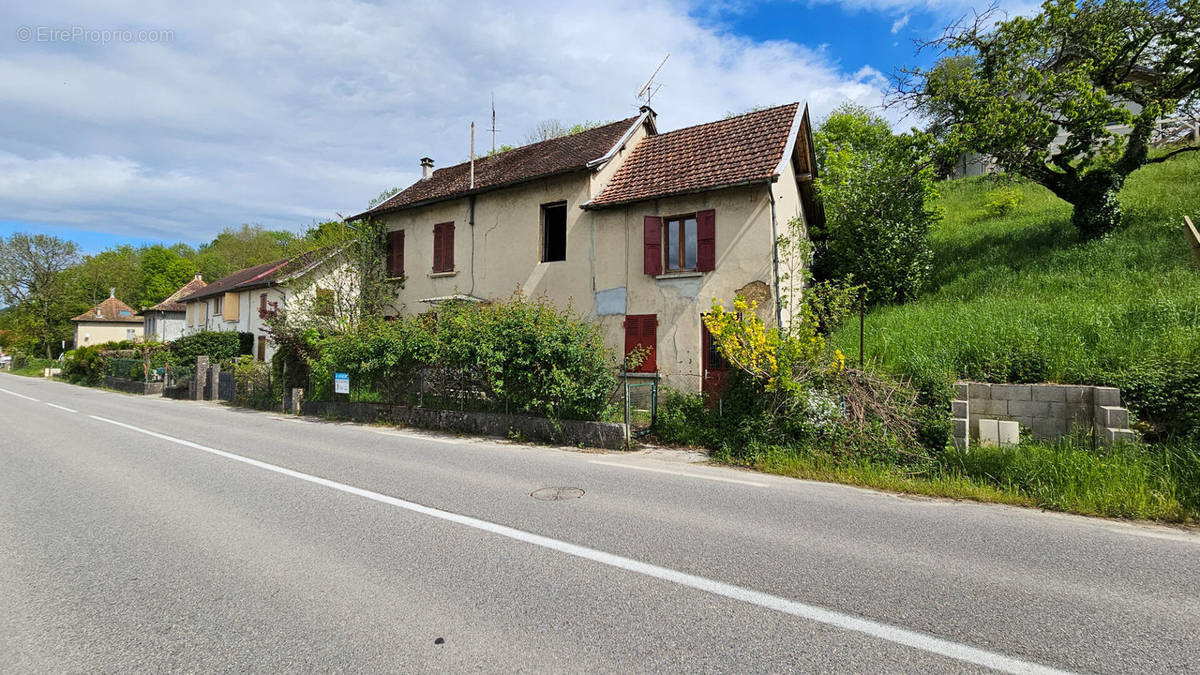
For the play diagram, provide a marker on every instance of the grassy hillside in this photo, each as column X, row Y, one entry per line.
column 1016, row 297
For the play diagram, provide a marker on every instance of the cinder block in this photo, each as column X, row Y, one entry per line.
column 1029, row 408
column 1049, row 393
column 1106, row 396
column 1009, row 433
column 962, row 390
column 1112, row 416
column 989, row 432
column 959, row 409
column 960, row 427
column 1044, row 429
column 1074, row 393
column 1114, row 436
column 979, row 390
column 991, row 406
column 1012, row 392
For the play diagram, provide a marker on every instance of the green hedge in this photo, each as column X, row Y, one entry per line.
column 519, row 355
column 218, row 346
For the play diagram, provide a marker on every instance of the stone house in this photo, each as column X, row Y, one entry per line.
column 244, row 300
column 634, row 229
column 109, row 321
column 166, row 321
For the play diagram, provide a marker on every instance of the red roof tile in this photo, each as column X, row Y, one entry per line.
column 172, row 303
column 554, row 156
column 737, row 150
column 110, row 311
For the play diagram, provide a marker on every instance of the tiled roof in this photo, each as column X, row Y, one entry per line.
column 110, row 311
column 260, row 275
column 557, row 155
column 172, row 303
column 737, row 150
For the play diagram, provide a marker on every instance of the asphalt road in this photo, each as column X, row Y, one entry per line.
column 142, row 534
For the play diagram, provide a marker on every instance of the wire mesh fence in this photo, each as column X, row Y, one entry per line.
column 135, row 370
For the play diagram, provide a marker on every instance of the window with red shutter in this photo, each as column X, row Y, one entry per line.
column 443, row 247
column 641, row 330
column 395, row 253
column 652, row 245
column 706, row 241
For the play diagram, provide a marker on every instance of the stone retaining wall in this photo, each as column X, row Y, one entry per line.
column 1048, row 411
column 133, row 386
column 568, row 432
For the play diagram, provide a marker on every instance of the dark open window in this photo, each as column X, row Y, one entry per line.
column 554, row 232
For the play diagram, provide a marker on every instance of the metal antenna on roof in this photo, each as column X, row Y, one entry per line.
column 494, row 129
column 649, row 89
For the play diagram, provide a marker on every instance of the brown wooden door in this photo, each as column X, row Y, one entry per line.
column 716, row 368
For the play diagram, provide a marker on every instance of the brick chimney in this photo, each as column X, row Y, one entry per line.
column 426, row 168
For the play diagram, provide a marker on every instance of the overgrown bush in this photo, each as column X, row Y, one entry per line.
column 219, row 346
column 1002, row 201
column 253, row 384
column 87, row 365
column 521, row 355
column 877, row 191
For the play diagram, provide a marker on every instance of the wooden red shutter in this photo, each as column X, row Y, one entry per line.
column 262, row 302
column 437, row 247
column 400, row 254
column 652, row 248
column 706, row 241
column 641, row 330
column 393, row 242
column 448, row 248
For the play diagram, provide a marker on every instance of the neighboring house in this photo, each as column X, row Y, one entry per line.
column 109, row 321
column 638, row 231
column 244, row 300
column 166, row 320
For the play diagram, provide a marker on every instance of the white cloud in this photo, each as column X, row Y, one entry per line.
column 899, row 23
column 260, row 113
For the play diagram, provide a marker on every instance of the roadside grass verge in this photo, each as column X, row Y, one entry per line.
column 34, row 367
column 1134, row 481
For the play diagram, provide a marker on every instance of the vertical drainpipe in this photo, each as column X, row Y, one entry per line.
column 471, row 222
column 775, row 255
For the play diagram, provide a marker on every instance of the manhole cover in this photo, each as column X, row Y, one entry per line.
column 556, row 494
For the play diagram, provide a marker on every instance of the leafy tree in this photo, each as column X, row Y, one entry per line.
column 1044, row 95
column 117, row 269
column 163, row 271
column 234, row 249
column 877, row 190
column 383, row 197
column 547, row 129
column 32, row 275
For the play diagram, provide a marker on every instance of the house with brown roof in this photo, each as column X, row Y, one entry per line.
column 637, row 230
column 109, row 321
column 244, row 300
column 165, row 321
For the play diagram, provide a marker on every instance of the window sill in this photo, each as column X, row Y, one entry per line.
column 679, row 275
column 642, row 376
column 441, row 275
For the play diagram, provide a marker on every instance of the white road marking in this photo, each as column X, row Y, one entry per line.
column 883, row 631
column 28, row 398
column 678, row 473
column 60, row 407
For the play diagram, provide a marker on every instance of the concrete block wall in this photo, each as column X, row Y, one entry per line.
column 1048, row 411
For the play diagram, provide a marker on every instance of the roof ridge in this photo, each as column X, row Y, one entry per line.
column 725, row 120
column 483, row 158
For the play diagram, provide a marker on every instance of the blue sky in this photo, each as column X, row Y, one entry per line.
column 161, row 122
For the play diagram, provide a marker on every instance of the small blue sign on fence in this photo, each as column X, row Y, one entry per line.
column 341, row 383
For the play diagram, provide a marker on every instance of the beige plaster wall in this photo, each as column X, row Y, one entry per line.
column 88, row 333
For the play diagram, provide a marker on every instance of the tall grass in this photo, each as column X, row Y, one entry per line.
column 1021, row 288
column 1127, row 481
